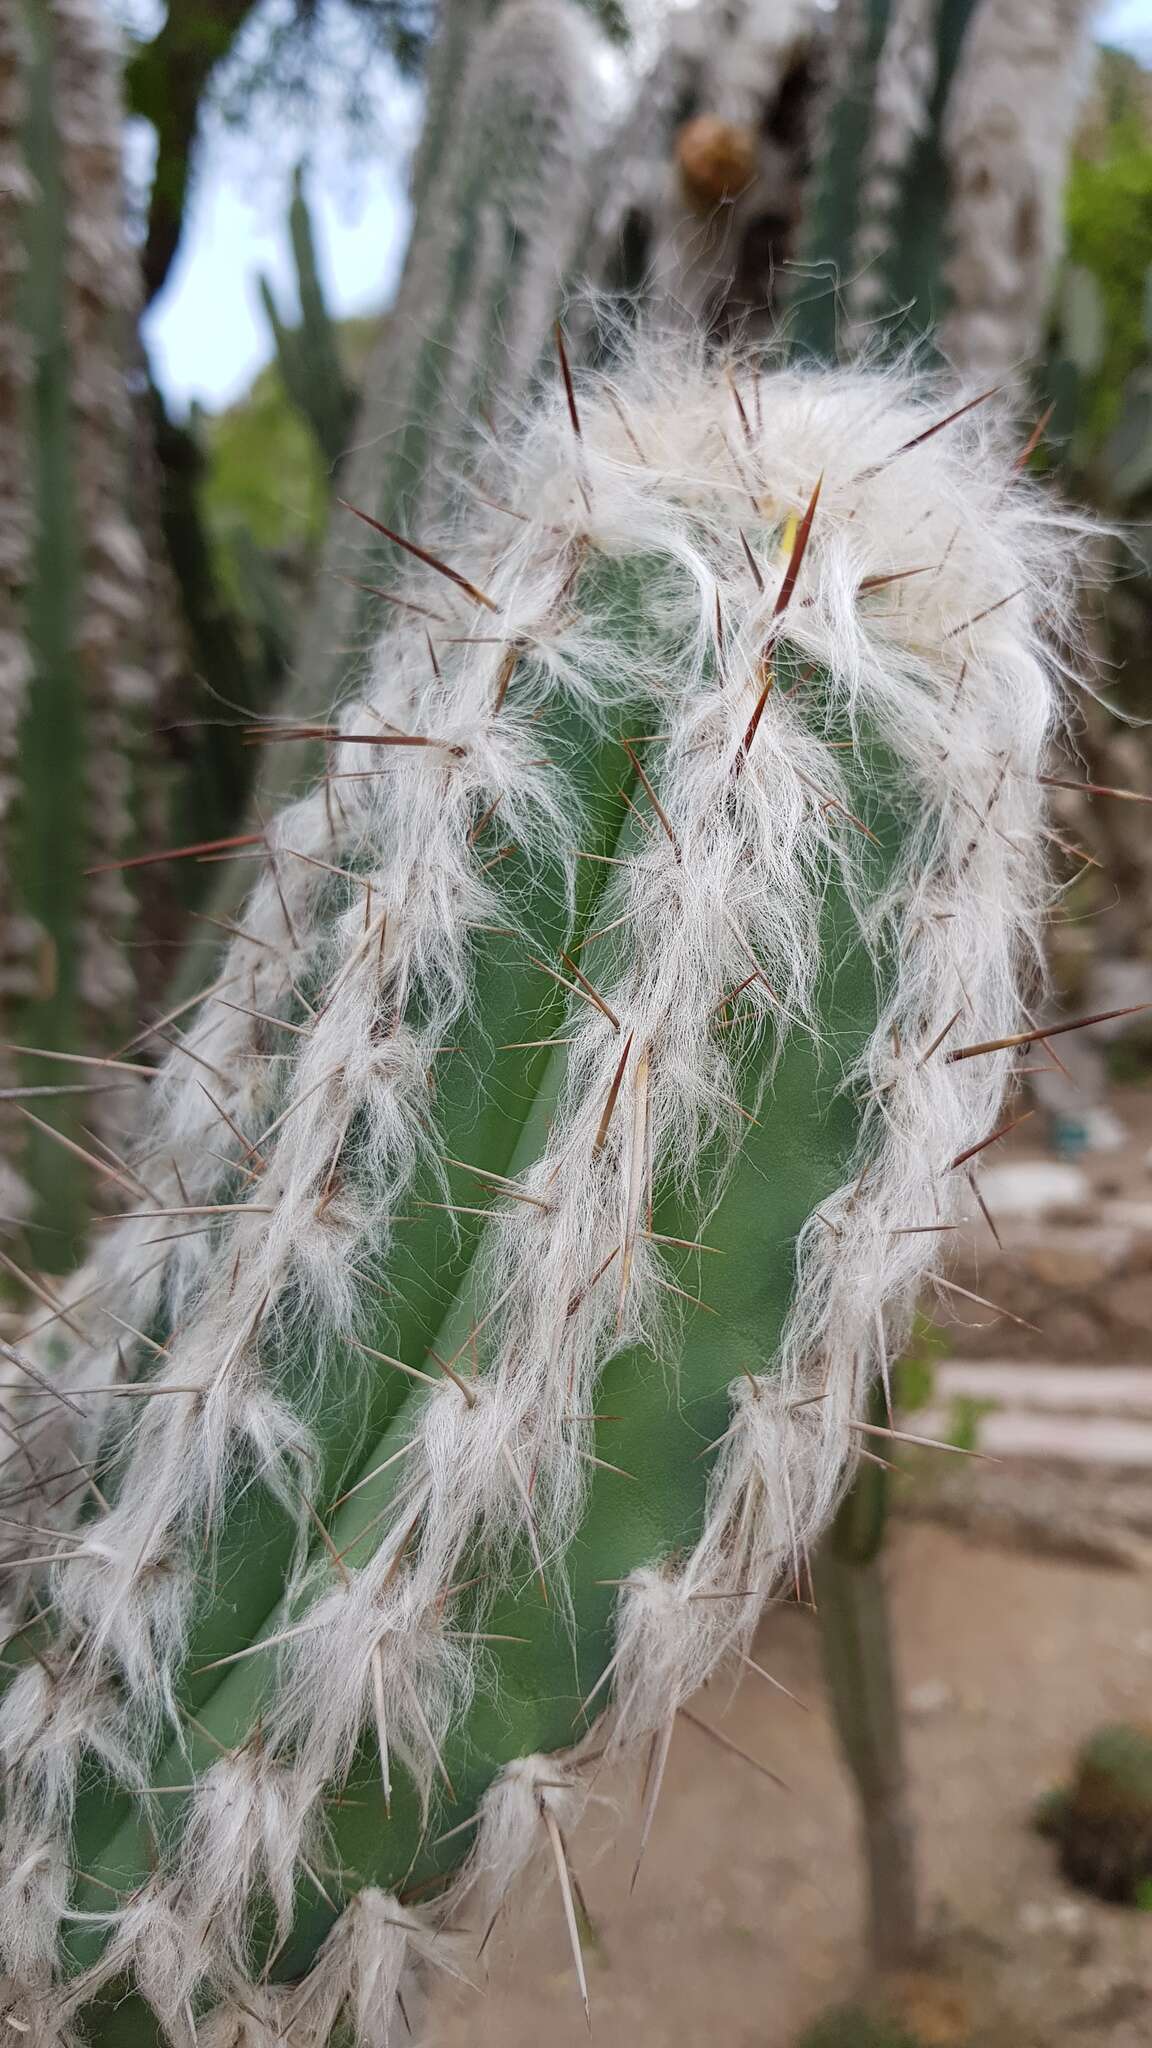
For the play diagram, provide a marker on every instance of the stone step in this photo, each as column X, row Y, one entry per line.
column 1049, row 1436
column 1104, row 1389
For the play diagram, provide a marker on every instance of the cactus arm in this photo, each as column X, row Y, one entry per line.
column 308, row 357
column 532, row 1702
column 813, row 812
column 667, row 1415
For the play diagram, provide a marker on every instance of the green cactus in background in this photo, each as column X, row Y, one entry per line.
column 500, row 193
column 935, row 209
column 307, row 354
column 551, row 1171
column 501, row 187
column 859, row 1664
column 73, row 691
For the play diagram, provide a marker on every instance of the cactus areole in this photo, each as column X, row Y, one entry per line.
column 546, row 1180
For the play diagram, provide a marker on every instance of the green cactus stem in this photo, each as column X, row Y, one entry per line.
column 579, row 1130
column 307, row 354
column 73, row 696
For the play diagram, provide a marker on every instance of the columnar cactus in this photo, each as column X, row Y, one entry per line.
column 936, row 204
column 308, row 355
column 71, row 690
column 501, row 195
column 545, row 1184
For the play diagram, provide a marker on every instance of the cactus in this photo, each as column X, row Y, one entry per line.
column 936, row 207
column 932, row 219
column 73, row 693
column 500, row 201
column 308, row 356
column 551, row 1172
column 501, row 188
column 1102, row 1824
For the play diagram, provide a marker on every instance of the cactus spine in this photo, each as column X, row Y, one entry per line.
column 584, row 1150
column 72, row 692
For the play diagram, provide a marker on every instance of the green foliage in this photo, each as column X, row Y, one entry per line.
column 914, row 1376
column 856, row 2026
column 965, row 1414
column 265, row 474
column 265, row 483
column 1109, row 221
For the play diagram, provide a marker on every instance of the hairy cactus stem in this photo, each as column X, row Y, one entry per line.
column 549, row 1176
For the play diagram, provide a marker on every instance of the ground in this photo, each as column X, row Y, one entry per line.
column 1022, row 1625
column 747, row 1917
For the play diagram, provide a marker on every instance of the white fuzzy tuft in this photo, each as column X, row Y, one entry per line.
column 933, row 585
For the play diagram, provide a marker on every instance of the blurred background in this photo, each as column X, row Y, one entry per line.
column 258, row 257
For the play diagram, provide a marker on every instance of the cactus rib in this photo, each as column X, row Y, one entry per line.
column 484, row 1492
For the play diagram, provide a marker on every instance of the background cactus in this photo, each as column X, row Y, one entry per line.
column 567, row 1167
column 500, row 189
column 1102, row 1823
column 307, row 354
column 936, row 207
column 74, row 691
column 698, row 196
column 941, row 146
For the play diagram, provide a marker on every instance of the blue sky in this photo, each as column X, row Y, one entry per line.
column 206, row 334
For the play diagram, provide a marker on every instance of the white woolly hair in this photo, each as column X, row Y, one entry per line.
column 934, row 584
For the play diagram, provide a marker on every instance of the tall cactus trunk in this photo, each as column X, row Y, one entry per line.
column 578, row 1136
column 500, row 186
column 701, row 188
column 499, row 193
column 74, row 690
column 17, row 196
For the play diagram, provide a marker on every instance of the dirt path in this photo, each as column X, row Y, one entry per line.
column 746, row 1918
